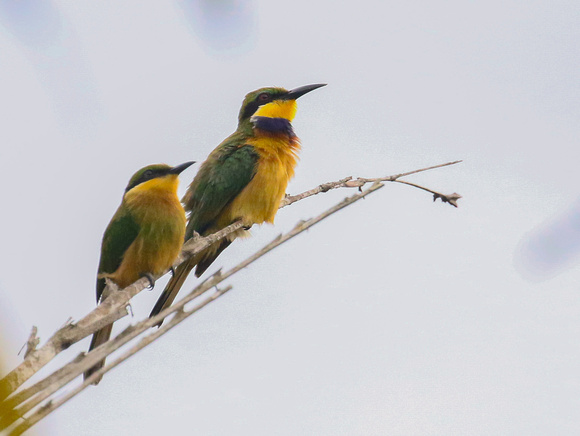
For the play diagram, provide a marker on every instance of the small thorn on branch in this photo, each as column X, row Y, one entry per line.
column 31, row 343
column 68, row 322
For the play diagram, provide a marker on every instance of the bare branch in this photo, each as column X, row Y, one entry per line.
column 110, row 310
column 398, row 176
column 325, row 187
column 348, row 182
column 76, row 368
column 113, row 308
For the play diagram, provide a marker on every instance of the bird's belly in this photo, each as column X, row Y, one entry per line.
column 259, row 200
column 155, row 248
column 146, row 257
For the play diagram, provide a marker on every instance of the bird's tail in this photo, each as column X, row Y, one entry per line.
column 172, row 288
column 203, row 260
column 99, row 337
column 210, row 256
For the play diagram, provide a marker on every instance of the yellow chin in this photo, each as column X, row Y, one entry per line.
column 278, row 109
column 167, row 183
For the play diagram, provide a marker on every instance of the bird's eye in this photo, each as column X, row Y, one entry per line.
column 264, row 97
column 147, row 174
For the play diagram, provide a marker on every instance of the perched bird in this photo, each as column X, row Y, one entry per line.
column 144, row 236
column 245, row 177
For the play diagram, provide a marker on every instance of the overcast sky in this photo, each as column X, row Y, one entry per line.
column 397, row 316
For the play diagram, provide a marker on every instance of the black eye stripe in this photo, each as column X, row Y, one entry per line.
column 252, row 107
column 147, row 175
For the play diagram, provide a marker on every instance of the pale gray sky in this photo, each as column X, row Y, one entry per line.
column 398, row 316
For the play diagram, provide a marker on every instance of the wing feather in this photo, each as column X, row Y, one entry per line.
column 220, row 179
column 119, row 235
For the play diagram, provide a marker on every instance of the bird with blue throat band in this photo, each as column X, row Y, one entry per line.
column 244, row 178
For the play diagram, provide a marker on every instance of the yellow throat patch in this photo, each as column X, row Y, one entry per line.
column 166, row 184
column 278, row 109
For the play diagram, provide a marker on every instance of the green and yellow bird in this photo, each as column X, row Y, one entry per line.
column 245, row 177
column 144, row 236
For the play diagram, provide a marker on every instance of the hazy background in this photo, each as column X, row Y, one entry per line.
column 398, row 316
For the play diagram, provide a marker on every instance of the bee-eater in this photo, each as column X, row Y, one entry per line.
column 144, row 236
column 245, row 177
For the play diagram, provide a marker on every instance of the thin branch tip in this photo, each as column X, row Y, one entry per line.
column 451, row 198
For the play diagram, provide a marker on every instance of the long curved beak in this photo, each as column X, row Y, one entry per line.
column 299, row 92
column 179, row 168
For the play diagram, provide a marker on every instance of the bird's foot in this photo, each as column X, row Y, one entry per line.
column 172, row 271
column 151, row 280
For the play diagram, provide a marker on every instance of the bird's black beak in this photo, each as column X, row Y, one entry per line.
column 299, row 92
column 179, row 168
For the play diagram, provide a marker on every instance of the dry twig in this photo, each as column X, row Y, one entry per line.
column 113, row 308
column 133, row 331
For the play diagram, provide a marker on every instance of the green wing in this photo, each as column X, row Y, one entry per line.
column 119, row 235
column 227, row 170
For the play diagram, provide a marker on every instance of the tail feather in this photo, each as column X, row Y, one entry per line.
column 99, row 337
column 207, row 260
column 202, row 260
column 172, row 288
